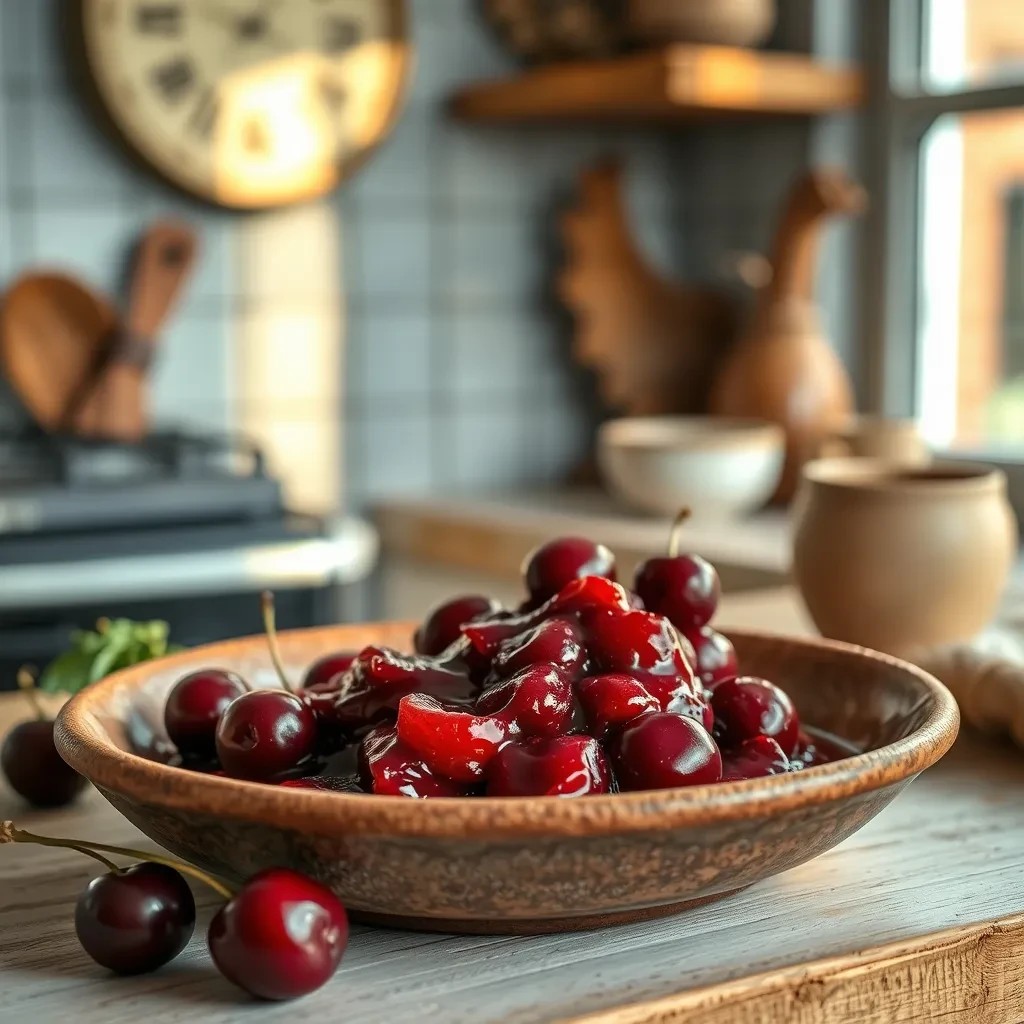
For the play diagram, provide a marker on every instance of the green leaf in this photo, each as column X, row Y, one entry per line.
column 68, row 673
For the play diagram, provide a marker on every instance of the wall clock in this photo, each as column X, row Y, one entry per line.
column 248, row 103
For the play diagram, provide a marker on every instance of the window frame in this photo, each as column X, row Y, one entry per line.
column 901, row 116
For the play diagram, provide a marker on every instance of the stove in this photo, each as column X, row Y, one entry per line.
column 183, row 527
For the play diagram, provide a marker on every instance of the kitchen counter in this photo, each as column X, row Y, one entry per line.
column 935, row 877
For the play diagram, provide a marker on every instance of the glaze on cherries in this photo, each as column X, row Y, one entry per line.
column 587, row 688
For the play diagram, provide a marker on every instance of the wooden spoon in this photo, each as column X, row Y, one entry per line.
column 116, row 407
column 54, row 334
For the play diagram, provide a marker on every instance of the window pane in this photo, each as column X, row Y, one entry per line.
column 971, row 341
column 972, row 42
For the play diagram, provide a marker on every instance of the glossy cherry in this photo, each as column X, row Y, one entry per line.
column 29, row 758
column 280, row 937
column 266, row 735
column 538, row 701
column 754, row 759
column 565, row 766
column 550, row 567
column 685, row 588
column 609, row 701
column 633, row 641
column 135, row 920
column 747, row 707
column 443, row 624
column 450, row 742
column 554, row 641
column 194, row 707
column 389, row 767
column 322, row 675
column 664, row 750
column 715, row 656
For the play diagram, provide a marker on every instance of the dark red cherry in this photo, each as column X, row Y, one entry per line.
column 754, row 759
column 664, row 750
column 34, row 769
column 388, row 767
column 683, row 587
column 380, row 677
column 135, row 920
column 633, row 641
column 564, row 766
column 715, row 654
column 747, row 707
column 550, row 567
column 613, row 700
column 280, row 937
column 265, row 735
column 194, row 707
column 443, row 625
column 555, row 641
column 535, row 702
column 456, row 744
column 322, row 675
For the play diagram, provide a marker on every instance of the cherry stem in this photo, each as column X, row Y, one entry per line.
column 270, row 627
column 27, row 685
column 9, row 833
column 677, row 528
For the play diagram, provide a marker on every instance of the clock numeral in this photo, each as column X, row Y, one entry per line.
column 205, row 113
column 340, row 33
column 332, row 95
column 174, row 79
column 160, row 19
column 256, row 136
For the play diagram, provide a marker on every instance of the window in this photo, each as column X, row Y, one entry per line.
column 946, row 278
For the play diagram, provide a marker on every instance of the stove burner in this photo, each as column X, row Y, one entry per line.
column 60, row 483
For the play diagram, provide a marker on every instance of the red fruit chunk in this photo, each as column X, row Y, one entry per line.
column 685, row 589
column 443, row 625
column 555, row 641
column 323, row 675
column 535, row 702
column 716, row 656
column 380, row 677
column 453, row 743
column 389, row 768
column 587, row 592
column 747, row 707
column 548, row 568
column 755, row 758
column 564, row 766
column 281, row 936
column 664, row 750
column 612, row 700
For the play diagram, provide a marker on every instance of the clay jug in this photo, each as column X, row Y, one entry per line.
column 783, row 369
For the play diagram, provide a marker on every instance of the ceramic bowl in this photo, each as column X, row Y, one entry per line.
column 518, row 865
column 716, row 465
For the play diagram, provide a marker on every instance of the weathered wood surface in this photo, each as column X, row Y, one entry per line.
column 945, row 856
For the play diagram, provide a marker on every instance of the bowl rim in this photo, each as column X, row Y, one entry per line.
column 82, row 744
column 687, row 434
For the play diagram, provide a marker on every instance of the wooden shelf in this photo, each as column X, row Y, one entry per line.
column 673, row 83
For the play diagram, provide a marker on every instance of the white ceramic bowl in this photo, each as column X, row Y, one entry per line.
column 713, row 464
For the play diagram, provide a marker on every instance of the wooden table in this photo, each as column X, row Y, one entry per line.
column 936, row 879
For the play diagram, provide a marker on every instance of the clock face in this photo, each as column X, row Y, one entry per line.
column 249, row 103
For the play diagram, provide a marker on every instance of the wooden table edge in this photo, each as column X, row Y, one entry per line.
column 972, row 973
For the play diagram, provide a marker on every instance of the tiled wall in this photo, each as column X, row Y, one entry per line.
column 457, row 369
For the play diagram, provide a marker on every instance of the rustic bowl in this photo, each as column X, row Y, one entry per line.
column 520, row 865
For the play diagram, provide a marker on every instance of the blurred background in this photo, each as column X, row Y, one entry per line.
column 333, row 297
